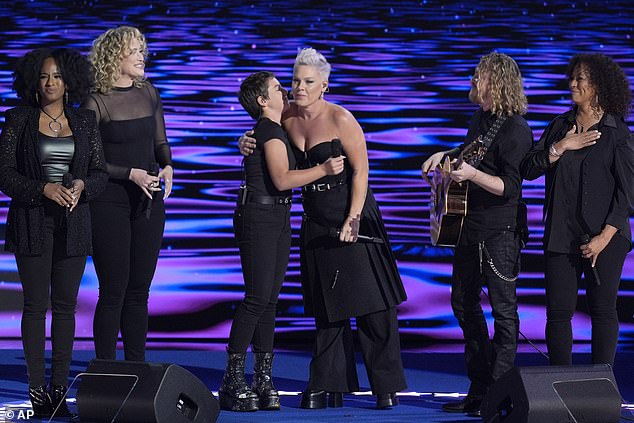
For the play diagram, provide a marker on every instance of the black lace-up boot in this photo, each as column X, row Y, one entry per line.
column 234, row 393
column 262, row 383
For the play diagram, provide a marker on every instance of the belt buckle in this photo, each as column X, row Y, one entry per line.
column 322, row 187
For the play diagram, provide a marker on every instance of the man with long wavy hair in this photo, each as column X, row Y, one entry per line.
column 488, row 250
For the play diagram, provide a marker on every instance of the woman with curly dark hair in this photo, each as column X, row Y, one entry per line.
column 51, row 165
column 587, row 155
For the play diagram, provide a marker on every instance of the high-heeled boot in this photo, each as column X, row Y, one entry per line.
column 234, row 394
column 58, row 398
column 40, row 401
column 262, row 383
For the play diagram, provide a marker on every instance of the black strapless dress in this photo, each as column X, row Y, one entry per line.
column 342, row 280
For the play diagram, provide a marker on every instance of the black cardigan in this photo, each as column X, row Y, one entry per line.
column 22, row 179
column 607, row 194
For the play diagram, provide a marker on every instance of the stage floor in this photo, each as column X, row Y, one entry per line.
column 433, row 378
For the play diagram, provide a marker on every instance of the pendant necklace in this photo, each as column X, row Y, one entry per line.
column 54, row 125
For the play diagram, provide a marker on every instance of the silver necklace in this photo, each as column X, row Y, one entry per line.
column 54, row 125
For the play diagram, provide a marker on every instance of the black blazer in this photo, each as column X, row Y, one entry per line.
column 22, row 179
column 607, row 186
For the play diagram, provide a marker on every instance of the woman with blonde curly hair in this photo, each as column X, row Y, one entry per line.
column 587, row 155
column 488, row 251
column 129, row 216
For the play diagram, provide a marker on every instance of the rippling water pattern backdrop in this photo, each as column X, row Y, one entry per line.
column 402, row 68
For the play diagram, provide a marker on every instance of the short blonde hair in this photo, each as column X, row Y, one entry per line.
column 311, row 57
column 506, row 87
column 107, row 52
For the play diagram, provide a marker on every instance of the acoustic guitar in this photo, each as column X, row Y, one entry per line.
column 448, row 199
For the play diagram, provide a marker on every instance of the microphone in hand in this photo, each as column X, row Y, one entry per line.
column 336, row 148
column 152, row 171
column 585, row 238
column 334, row 233
column 67, row 182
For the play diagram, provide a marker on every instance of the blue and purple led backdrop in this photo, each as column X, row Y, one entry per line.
column 402, row 68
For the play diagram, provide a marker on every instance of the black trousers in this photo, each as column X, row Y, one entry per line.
column 487, row 359
column 563, row 279
column 333, row 368
column 58, row 275
column 126, row 246
column 263, row 234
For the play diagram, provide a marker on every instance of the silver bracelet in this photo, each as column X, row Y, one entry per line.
column 553, row 151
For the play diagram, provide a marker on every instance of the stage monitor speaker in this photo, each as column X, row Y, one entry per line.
column 158, row 393
column 554, row 394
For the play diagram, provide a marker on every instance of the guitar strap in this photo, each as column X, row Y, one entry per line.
column 488, row 138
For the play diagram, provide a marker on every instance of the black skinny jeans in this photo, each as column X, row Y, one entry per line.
column 126, row 247
column 487, row 360
column 563, row 279
column 263, row 234
column 58, row 275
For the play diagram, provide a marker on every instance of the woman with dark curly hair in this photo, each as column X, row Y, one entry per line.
column 129, row 215
column 587, row 155
column 51, row 165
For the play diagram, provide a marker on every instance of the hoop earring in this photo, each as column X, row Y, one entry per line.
column 327, row 90
column 37, row 97
column 65, row 97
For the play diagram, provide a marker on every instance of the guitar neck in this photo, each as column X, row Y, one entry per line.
column 458, row 162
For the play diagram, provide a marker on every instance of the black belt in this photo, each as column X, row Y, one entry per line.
column 322, row 187
column 268, row 199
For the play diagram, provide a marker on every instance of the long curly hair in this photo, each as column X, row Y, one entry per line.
column 609, row 82
column 107, row 52
column 506, row 87
column 74, row 67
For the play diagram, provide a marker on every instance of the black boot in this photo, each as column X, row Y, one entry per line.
column 58, row 398
column 386, row 400
column 234, row 393
column 40, row 401
column 315, row 399
column 262, row 383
